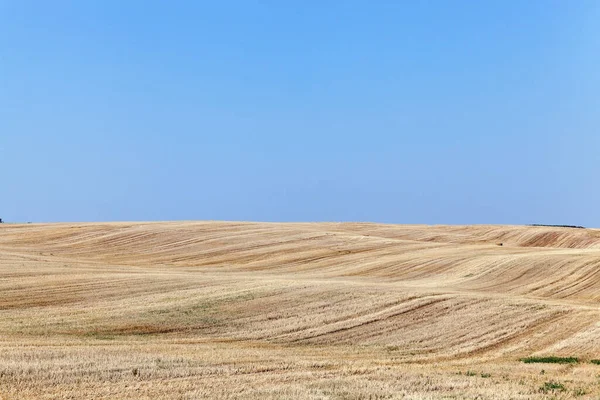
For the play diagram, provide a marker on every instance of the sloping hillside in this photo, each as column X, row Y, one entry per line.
column 301, row 310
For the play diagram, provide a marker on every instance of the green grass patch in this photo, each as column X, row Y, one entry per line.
column 550, row 360
column 597, row 362
column 552, row 387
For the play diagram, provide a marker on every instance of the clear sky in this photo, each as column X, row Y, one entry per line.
column 428, row 112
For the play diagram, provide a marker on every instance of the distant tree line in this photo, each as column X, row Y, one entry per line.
column 560, row 226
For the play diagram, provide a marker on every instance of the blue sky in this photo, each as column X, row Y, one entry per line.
column 428, row 112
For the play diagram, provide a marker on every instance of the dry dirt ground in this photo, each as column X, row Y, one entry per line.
column 215, row 310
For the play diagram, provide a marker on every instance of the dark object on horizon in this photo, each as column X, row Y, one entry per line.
column 560, row 226
column 1, row 220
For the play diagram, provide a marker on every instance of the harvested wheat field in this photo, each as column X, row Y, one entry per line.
column 216, row 310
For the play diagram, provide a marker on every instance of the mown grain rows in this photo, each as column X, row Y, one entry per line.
column 193, row 310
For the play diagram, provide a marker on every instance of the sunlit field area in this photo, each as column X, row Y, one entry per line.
column 195, row 310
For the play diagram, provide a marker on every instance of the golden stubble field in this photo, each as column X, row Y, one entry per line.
column 216, row 310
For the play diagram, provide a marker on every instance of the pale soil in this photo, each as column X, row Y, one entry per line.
column 195, row 310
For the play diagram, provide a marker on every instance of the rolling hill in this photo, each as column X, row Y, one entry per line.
column 189, row 310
